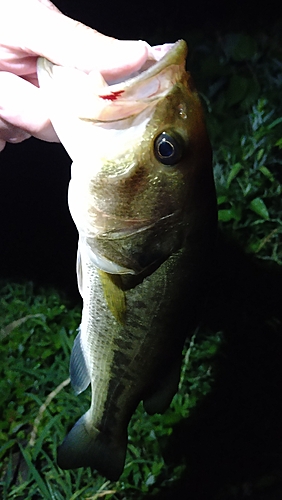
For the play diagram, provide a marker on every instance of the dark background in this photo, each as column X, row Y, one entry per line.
column 38, row 237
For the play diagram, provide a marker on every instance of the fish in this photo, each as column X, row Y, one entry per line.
column 142, row 197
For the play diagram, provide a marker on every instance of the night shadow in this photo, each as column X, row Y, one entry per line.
column 232, row 442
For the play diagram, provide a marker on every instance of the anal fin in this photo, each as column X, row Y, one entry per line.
column 160, row 398
column 79, row 374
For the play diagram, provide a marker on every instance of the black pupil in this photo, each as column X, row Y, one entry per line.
column 166, row 149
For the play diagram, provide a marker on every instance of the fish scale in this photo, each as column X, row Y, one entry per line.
column 122, row 353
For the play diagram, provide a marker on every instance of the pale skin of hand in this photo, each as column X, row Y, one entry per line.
column 33, row 28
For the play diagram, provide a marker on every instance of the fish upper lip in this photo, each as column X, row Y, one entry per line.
column 152, row 70
column 114, row 92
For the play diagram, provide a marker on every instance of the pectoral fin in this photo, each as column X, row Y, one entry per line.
column 114, row 295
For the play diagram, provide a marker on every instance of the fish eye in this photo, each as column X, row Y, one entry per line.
column 168, row 149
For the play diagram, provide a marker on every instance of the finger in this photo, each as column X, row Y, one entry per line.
column 11, row 133
column 22, row 106
column 49, row 5
column 47, row 32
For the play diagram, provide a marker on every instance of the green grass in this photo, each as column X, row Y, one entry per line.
column 239, row 77
column 37, row 335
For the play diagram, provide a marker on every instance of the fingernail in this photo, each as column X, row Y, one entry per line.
column 22, row 136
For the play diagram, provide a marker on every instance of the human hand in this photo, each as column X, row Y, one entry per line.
column 33, row 28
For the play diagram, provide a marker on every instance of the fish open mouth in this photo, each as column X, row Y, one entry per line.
column 119, row 100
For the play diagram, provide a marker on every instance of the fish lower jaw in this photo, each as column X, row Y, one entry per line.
column 99, row 261
column 108, row 266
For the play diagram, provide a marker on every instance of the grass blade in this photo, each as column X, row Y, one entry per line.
column 36, row 476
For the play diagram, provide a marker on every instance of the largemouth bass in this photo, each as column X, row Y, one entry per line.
column 143, row 200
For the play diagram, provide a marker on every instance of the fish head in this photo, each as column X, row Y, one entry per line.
column 141, row 174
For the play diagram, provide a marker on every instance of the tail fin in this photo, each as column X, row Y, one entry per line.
column 86, row 446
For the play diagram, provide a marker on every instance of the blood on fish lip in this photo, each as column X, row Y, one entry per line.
column 112, row 96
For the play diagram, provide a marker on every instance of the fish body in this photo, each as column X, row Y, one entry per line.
column 142, row 197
